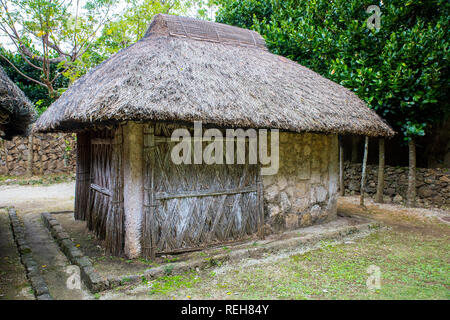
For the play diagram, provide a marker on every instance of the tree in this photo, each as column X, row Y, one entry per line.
column 400, row 70
column 36, row 93
column 46, row 33
column 130, row 25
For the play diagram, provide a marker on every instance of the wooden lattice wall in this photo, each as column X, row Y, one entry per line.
column 189, row 206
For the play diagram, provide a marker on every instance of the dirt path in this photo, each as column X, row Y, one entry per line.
column 395, row 215
column 57, row 197
column 13, row 282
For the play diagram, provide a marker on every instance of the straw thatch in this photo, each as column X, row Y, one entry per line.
column 16, row 111
column 185, row 70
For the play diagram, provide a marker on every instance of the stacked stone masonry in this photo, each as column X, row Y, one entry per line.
column 304, row 191
column 52, row 153
column 432, row 185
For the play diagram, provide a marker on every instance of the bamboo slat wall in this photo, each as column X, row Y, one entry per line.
column 100, row 170
column 189, row 205
column 99, row 185
column 114, row 241
column 83, row 180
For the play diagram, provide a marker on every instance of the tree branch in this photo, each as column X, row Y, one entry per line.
column 28, row 53
column 21, row 73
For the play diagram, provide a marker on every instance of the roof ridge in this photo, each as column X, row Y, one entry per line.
column 203, row 30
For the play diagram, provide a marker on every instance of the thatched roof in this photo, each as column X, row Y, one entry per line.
column 16, row 111
column 186, row 69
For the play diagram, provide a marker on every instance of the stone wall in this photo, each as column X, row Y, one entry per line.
column 304, row 191
column 52, row 153
column 433, row 185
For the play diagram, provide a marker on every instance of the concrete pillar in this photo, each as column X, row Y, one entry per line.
column 133, row 191
column 333, row 176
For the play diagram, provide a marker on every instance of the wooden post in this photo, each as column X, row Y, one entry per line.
column 148, row 232
column 133, row 169
column 411, row 196
column 363, row 174
column 381, row 162
column 260, row 197
column 30, row 156
column 341, row 167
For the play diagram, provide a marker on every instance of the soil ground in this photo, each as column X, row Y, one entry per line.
column 413, row 257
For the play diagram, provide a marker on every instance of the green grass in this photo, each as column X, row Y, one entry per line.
column 414, row 264
column 169, row 284
column 36, row 180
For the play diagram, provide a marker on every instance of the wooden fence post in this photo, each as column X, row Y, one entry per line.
column 363, row 175
column 381, row 162
column 341, row 167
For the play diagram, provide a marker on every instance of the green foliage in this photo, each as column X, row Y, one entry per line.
column 168, row 269
column 52, row 37
column 130, row 25
column 168, row 284
column 35, row 92
column 75, row 36
column 401, row 70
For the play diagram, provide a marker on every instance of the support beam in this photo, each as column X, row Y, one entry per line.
column 341, row 167
column 381, row 160
column 133, row 144
column 363, row 174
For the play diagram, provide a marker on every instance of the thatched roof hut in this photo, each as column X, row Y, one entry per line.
column 134, row 195
column 185, row 70
column 16, row 111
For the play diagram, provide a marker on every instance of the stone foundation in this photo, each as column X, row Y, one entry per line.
column 304, row 191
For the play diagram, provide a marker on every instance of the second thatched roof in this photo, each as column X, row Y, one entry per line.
column 16, row 111
column 186, row 69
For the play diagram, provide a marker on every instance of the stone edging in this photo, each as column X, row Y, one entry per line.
column 262, row 247
column 96, row 283
column 93, row 281
column 38, row 283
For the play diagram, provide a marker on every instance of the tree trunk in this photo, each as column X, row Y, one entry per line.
column 411, row 196
column 381, row 161
column 354, row 149
column 30, row 156
column 341, row 167
column 363, row 174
